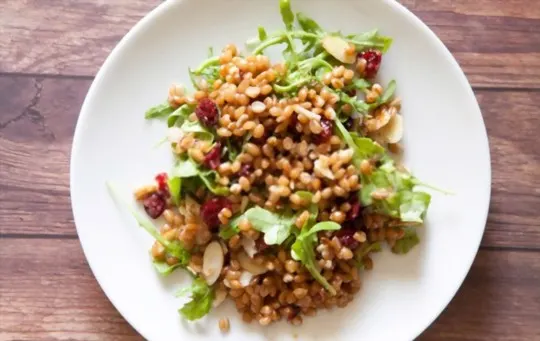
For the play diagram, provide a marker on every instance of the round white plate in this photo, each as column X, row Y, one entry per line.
column 445, row 141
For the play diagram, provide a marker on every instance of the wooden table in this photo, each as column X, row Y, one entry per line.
column 49, row 53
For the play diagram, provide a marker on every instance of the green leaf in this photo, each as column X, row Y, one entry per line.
column 413, row 206
column 388, row 93
column 202, row 297
column 324, row 226
column 363, row 147
column 160, row 110
column 185, row 168
column 174, row 248
column 209, row 180
column 180, row 115
column 286, row 13
column 175, row 185
column 276, row 227
column 262, row 34
column 303, row 250
column 196, row 127
column 369, row 40
column 307, row 23
column 405, row 244
column 165, row 269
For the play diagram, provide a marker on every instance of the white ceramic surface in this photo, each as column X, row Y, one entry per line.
column 445, row 141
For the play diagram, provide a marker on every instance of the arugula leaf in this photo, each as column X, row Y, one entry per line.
column 286, row 13
column 413, row 206
column 175, row 185
column 180, row 115
column 185, row 167
column 160, row 110
column 202, row 297
column 195, row 127
column 262, row 33
column 388, row 92
column 405, row 244
column 209, row 180
column 276, row 227
column 303, row 250
column 174, row 248
column 370, row 39
column 165, row 269
column 307, row 23
column 363, row 147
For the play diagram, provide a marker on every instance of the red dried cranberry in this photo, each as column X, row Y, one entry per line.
column 326, row 133
column 207, row 112
column 154, row 205
column 354, row 212
column 161, row 180
column 351, row 93
column 212, row 160
column 211, row 208
column 261, row 245
column 346, row 237
column 373, row 62
column 246, row 170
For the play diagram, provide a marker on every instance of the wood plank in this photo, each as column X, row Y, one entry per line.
column 37, row 119
column 49, row 293
column 495, row 41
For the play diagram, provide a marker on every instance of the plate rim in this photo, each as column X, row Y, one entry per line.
column 391, row 5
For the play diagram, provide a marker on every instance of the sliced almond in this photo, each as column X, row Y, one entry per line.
column 249, row 264
column 245, row 278
column 393, row 131
column 338, row 48
column 381, row 118
column 212, row 262
column 220, row 296
column 174, row 134
column 249, row 246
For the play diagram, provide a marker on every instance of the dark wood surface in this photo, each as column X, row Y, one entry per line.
column 49, row 52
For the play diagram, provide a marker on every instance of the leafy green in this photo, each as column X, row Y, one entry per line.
column 370, row 39
column 362, row 147
column 165, row 269
column 196, row 127
column 209, row 179
column 185, row 167
column 262, row 34
column 413, row 206
column 175, row 186
column 405, row 244
column 208, row 70
column 405, row 202
column 286, row 13
column 388, row 92
column 160, row 110
column 202, row 297
column 303, row 250
column 173, row 248
column 276, row 227
column 180, row 115
column 308, row 24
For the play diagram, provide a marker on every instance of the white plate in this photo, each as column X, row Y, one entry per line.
column 445, row 140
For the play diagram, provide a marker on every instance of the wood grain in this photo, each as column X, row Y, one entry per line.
column 38, row 118
column 496, row 41
column 49, row 293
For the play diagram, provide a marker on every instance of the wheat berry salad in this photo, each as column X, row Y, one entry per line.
column 285, row 178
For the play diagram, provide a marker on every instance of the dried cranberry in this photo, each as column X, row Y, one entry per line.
column 211, row 208
column 326, row 133
column 346, row 237
column 373, row 62
column 207, row 112
column 161, row 180
column 354, row 212
column 154, row 205
column 212, row 160
column 261, row 245
column 349, row 124
column 351, row 93
column 246, row 170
